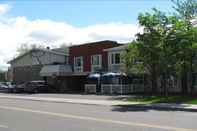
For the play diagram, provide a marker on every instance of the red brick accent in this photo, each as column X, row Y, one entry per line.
column 86, row 50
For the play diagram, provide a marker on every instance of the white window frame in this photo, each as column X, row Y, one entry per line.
column 100, row 62
column 78, row 68
column 111, row 58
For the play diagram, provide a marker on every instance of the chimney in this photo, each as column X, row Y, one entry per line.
column 48, row 48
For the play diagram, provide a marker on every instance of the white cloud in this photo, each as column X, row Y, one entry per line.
column 15, row 31
column 4, row 8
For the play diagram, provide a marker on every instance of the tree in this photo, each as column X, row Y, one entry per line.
column 2, row 76
column 186, row 11
column 25, row 47
column 157, row 47
column 167, row 46
column 150, row 46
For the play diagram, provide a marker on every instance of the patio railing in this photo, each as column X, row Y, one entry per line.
column 116, row 89
column 90, row 88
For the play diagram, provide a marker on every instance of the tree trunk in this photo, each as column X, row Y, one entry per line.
column 191, row 75
column 154, row 80
column 165, row 84
column 184, row 81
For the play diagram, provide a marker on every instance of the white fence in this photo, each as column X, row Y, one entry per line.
column 124, row 88
column 90, row 88
column 116, row 89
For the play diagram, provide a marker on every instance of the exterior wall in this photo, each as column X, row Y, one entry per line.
column 28, row 67
column 26, row 73
column 87, row 50
column 114, row 67
column 45, row 58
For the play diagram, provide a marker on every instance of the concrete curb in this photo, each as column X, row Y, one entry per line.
column 64, row 100
column 159, row 106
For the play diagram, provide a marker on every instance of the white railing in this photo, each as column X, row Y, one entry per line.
column 90, row 88
column 116, row 88
column 78, row 69
column 122, row 88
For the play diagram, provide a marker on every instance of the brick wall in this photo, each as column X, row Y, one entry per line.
column 86, row 50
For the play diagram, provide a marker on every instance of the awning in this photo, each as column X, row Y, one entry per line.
column 56, row 70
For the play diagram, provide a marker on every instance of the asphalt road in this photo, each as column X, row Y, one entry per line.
column 22, row 115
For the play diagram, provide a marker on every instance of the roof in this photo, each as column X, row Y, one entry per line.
column 60, row 50
column 44, row 50
column 122, row 47
column 97, row 42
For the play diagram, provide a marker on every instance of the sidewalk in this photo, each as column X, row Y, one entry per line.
column 101, row 102
column 67, row 100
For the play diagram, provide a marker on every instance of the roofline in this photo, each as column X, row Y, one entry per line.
column 115, row 42
column 45, row 50
column 121, row 47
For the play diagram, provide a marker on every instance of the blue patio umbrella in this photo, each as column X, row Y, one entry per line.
column 94, row 76
column 109, row 77
column 113, row 74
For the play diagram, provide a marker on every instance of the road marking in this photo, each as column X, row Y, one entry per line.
column 3, row 126
column 94, row 119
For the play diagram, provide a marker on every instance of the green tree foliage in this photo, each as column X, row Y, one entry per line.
column 25, row 47
column 2, row 76
column 167, row 46
column 186, row 11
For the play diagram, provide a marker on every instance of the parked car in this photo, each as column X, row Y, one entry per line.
column 10, row 87
column 19, row 88
column 3, row 87
column 36, row 87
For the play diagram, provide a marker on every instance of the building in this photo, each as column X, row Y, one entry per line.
column 85, row 59
column 115, row 63
column 90, row 57
column 67, row 72
column 27, row 67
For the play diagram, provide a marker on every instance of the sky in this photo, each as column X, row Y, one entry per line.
column 53, row 23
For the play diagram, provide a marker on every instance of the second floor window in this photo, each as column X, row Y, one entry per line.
column 115, row 58
column 78, row 64
column 96, row 60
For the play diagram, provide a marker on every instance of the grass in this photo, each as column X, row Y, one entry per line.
column 164, row 99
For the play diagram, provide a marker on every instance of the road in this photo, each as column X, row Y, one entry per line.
column 24, row 115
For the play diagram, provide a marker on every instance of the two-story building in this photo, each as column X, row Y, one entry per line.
column 90, row 57
column 115, row 63
column 27, row 67
column 68, row 72
column 87, row 58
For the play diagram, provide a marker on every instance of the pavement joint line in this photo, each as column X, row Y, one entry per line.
column 63, row 115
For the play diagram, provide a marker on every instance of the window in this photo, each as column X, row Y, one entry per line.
column 115, row 58
column 96, row 62
column 78, row 64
